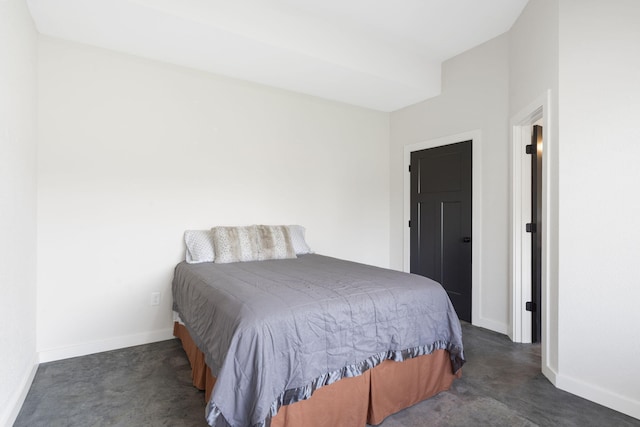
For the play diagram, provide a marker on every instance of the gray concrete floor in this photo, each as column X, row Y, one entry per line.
column 150, row 385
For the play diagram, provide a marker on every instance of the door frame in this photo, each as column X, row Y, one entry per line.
column 475, row 136
column 521, row 124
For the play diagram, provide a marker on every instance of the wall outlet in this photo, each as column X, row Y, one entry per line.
column 155, row 298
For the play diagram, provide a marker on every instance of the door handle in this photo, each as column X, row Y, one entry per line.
column 466, row 240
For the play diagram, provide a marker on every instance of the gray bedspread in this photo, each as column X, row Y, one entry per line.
column 274, row 331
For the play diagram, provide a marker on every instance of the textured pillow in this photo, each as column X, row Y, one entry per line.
column 275, row 242
column 199, row 246
column 236, row 244
column 297, row 239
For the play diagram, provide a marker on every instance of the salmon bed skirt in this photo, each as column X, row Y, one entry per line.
column 366, row 399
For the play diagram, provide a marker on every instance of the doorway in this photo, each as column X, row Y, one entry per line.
column 534, row 228
column 530, row 233
column 440, row 225
column 475, row 136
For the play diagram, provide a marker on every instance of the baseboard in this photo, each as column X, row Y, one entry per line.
column 492, row 325
column 50, row 355
column 599, row 395
column 10, row 412
column 551, row 374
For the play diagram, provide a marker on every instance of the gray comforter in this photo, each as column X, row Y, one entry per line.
column 274, row 331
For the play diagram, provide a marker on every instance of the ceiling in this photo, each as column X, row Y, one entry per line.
column 378, row 54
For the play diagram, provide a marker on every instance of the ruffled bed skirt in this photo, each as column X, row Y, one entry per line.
column 366, row 399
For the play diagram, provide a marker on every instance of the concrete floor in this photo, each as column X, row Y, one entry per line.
column 150, row 385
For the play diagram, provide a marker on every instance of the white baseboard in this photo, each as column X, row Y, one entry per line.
column 50, row 355
column 599, row 395
column 10, row 412
column 551, row 374
column 492, row 325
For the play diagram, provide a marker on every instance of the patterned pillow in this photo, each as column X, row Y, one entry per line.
column 300, row 245
column 199, row 246
column 236, row 244
column 275, row 242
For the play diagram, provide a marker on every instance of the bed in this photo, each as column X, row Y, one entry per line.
column 311, row 340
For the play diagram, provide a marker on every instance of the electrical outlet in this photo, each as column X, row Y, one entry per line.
column 155, row 298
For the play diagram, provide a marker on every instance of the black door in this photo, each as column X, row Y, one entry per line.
column 536, row 229
column 441, row 220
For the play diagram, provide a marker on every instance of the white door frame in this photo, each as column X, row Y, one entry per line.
column 476, row 215
column 521, row 123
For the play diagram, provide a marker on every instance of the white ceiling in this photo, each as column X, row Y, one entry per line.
column 379, row 54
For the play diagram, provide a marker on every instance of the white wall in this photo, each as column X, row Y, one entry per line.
column 474, row 96
column 599, row 240
column 133, row 152
column 18, row 41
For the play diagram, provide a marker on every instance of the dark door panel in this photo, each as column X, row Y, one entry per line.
column 426, row 224
column 452, row 251
column 441, row 220
column 536, row 237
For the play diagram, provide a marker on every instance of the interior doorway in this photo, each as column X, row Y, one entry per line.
column 529, row 211
column 441, row 232
column 475, row 136
column 534, row 228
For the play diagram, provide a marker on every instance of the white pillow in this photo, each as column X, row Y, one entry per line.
column 300, row 245
column 199, row 246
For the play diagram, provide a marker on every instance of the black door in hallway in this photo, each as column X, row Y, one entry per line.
column 441, row 220
column 536, row 237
